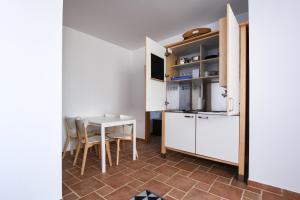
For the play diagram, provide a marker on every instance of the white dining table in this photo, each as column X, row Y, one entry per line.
column 110, row 120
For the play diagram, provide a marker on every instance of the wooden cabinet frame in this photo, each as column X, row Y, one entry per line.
column 243, row 98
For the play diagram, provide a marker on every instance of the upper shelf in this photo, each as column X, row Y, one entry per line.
column 191, row 64
column 197, row 63
column 192, row 45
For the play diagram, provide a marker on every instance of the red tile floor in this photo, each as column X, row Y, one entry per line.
column 176, row 177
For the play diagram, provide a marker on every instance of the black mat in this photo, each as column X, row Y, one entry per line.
column 147, row 195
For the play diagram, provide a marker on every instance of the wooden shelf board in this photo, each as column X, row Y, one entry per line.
column 211, row 60
column 191, row 64
column 193, row 79
column 208, row 77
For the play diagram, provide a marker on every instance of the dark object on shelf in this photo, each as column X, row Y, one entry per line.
column 211, row 56
column 195, row 32
column 174, row 78
column 211, row 73
column 187, row 60
column 156, row 126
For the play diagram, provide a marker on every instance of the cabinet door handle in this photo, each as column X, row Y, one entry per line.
column 230, row 102
column 202, row 117
column 188, row 116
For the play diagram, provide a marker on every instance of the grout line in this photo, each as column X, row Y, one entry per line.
column 243, row 194
column 263, row 190
column 212, row 184
column 99, row 194
column 72, row 191
column 168, row 194
column 88, row 194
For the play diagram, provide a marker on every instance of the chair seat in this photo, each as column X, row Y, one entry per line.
column 119, row 136
column 93, row 129
column 96, row 138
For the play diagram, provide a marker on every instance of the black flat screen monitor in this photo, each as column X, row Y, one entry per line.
column 157, row 67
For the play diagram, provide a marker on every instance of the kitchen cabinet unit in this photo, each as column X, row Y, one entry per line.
column 200, row 99
column 217, row 136
column 181, row 127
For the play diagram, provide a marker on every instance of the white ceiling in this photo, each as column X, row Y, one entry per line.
column 127, row 22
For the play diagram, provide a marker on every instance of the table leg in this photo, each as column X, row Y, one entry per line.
column 103, row 160
column 134, row 140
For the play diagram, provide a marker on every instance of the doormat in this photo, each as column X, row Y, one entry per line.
column 146, row 195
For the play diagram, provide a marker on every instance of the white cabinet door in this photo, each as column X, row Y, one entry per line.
column 217, row 136
column 155, row 89
column 180, row 131
column 233, row 63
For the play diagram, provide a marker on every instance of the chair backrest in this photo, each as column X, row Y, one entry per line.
column 125, row 116
column 70, row 126
column 120, row 130
column 81, row 127
column 124, row 130
column 127, row 129
column 110, row 115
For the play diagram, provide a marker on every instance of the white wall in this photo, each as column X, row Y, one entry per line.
column 274, row 93
column 96, row 76
column 138, row 81
column 30, row 85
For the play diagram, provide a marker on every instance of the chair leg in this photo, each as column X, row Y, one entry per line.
column 86, row 148
column 107, row 145
column 96, row 150
column 65, row 147
column 99, row 151
column 118, row 151
column 77, row 153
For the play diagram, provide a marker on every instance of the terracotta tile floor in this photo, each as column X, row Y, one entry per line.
column 176, row 177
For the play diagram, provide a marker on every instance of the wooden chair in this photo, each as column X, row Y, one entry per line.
column 120, row 133
column 89, row 141
column 70, row 132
